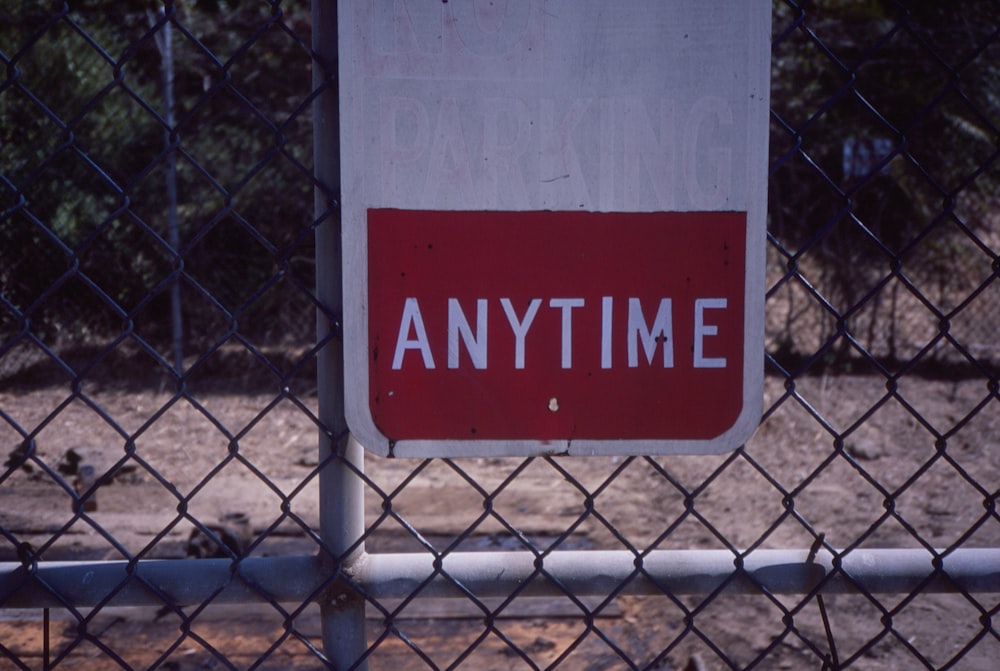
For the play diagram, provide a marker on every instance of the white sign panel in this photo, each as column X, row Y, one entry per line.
column 554, row 216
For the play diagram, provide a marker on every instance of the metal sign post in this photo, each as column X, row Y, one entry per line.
column 554, row 225
column 341, row 490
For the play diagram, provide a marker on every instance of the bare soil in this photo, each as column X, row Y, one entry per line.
column 847, row 456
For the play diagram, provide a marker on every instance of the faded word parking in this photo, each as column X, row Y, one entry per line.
column 597, row 153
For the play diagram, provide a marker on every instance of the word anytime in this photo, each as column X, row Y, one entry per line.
column 640, row 333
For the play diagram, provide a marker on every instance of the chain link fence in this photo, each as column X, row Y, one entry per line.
column 163, row 503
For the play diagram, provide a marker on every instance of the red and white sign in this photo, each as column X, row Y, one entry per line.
column 553, row 225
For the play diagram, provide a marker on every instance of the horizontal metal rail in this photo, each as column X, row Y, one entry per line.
column 491, row 574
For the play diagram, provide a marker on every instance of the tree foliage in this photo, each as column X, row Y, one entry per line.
column 83, row 239
column 886, row 115
column 884, row 143
column 884, row 146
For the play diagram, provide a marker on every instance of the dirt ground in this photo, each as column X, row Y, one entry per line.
column 917, row 463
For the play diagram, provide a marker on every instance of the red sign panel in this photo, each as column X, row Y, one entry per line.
column 549, row 325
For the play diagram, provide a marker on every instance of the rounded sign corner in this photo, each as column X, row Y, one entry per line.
column 742, row 429
column 367, row 434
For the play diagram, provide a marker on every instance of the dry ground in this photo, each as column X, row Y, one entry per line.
column 241, row 439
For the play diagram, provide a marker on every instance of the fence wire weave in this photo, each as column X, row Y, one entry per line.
column 159, row 367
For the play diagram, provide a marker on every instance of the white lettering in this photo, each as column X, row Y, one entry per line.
column 567, row 305
column 449, row 169
column 458, row 325
column 662, row 329
column 520, row 327
column 514, row 153
column 418, row 39
column 403, row 127
column 412, row 317
column 701, row 330
column 559, row 163
column 709, row 171
column 491, row 29
column 400, row 30
column 503, row 174
column 607, row 305
column 640, row 334
column 606, row 175
column 642, row 147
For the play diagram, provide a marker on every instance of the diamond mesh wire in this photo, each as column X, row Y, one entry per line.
column 880, row 426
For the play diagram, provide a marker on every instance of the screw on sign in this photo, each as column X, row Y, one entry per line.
column 554, row 225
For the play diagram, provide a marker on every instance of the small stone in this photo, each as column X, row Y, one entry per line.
column 695, row 663
column 309, row 460
column 70, row 462
column 233, row 531
column 865, row 449
column 18, row 457
column 541, row 644
column 127, row 474
column 84, row 482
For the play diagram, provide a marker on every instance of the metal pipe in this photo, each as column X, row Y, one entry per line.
column 341, row 491
column 164, row 43
column 603, row 573
column 591, row 573
column 155, row 582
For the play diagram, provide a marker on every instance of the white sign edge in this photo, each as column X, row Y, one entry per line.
column 355, row 264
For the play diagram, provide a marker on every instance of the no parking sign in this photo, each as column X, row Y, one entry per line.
column 554, row 218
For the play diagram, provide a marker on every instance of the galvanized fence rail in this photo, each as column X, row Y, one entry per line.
column 170, row 315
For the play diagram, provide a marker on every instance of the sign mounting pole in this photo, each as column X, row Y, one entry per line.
column 341, row 510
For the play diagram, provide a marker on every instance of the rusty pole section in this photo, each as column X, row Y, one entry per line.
column 342, row 522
